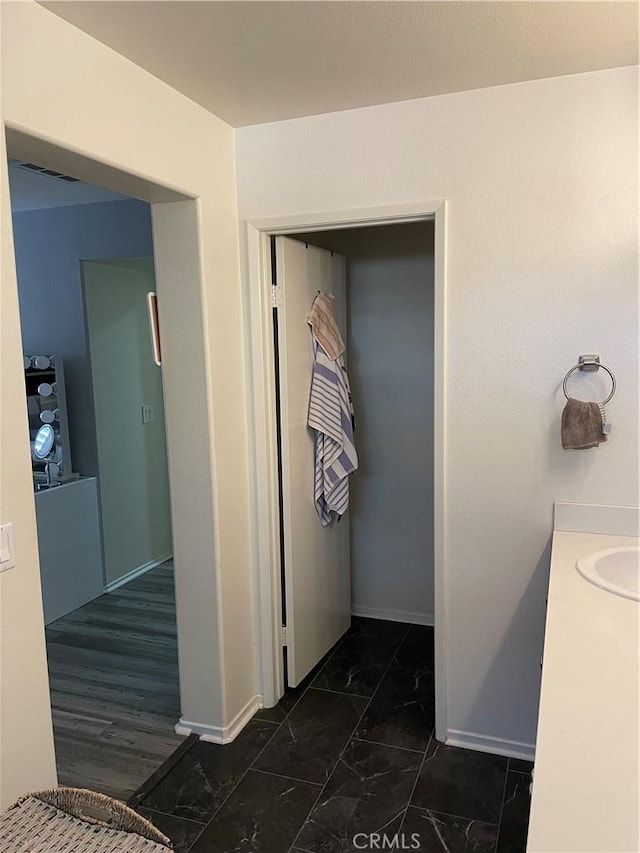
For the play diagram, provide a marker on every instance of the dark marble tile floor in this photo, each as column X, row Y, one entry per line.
column 345, row 762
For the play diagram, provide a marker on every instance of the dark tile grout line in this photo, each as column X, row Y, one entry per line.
column 504, row 793
column 275, row 730
column 313, row 686
column 455, row 816
column 411, row 669
column 511, row 769
column 147, row 789
column 162, row 771
column 204, row 824
column 415, row 784
column 175, row 817
column 330, row 655
column 352, row 736
column 284, row 776
column 348, row 741
column 394, row 665
column 523, row 773
column 183, row 749
column 319, row 667
column 282, row 722
column 389, row 745
column 497, row 824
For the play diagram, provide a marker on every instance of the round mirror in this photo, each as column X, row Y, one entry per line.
column 43, row 442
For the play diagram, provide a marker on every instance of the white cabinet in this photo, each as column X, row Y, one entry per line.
column 69, row 546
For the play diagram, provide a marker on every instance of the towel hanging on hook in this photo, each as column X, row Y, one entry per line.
column 324, row 327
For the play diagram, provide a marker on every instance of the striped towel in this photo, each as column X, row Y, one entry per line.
column 331, row 415
column 325, row 329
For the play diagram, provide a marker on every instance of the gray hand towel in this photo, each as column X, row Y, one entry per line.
column 581, row 425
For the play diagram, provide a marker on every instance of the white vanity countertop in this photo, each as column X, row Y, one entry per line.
column 586, row 792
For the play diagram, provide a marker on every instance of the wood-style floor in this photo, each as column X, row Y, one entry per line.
column 113, row 673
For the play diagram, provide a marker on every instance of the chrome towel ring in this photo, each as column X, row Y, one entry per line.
column 590, row 363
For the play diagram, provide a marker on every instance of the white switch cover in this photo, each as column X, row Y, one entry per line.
column 7, row 558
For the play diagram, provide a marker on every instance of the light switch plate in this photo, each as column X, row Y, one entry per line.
column 7, row 550
column 147, row 414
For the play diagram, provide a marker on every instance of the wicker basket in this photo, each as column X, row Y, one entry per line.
column 74, row 820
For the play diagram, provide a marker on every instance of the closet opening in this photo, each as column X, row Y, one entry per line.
column 379, row 562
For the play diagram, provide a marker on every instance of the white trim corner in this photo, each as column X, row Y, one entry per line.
column 221, row 734
column 136, row 573
column 488, row 743
column 387, row 615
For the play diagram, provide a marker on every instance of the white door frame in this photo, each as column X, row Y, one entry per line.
column 265, row 508
column 177, row 258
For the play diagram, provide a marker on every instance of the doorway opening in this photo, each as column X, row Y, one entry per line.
column 386, row 538
column 84, row 263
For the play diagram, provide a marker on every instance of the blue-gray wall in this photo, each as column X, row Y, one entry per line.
column 50, row 245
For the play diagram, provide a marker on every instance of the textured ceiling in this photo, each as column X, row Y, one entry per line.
column 252, row 62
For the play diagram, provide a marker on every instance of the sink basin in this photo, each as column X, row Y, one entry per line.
column 616, row 570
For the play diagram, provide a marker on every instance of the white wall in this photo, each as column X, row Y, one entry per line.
column 25, row 713
column 541, row 182
column 63, row 92
column 134, row 480
column 390, row 350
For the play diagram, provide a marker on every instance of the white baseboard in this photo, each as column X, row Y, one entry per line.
column 221, row 734
column 136, row 573
column 486, row 743
column 394, row 615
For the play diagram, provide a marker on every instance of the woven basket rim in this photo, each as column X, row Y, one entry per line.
column 119, row 816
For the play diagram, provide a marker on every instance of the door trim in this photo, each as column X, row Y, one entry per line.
column 262, row 411
column 176, row 222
